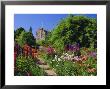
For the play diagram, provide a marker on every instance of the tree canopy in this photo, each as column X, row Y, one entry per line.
column 18, row 31
column 25, row 37
column 75, row 29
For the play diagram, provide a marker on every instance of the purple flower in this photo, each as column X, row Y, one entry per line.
column 93, row 54
column 73, row 48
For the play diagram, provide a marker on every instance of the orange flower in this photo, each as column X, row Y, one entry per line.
column 91, row 70
column 84, row 57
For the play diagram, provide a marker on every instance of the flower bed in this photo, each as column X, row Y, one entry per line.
column 73, row 62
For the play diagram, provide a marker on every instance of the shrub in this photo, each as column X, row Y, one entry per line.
column 27, row 66
column 22, row 64
column 35, row 70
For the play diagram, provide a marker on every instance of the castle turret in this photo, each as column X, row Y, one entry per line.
column 41, row 34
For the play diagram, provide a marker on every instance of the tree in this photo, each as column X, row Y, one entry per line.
column 21, row 40
column 30, row 39
column 18, row 32
column 26, row 38
column 30, row 29
column 74, row 29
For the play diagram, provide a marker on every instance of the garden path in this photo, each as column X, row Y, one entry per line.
column 42, row 64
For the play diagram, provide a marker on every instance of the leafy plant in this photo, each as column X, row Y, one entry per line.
column 74, row 29
column 25, row 37
column 26, row 66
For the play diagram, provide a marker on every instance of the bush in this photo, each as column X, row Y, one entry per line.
column 35, row 70
column 22, row 64
column 74, row 29
column 25, row 66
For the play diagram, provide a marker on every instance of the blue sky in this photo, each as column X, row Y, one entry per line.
column 36, row 21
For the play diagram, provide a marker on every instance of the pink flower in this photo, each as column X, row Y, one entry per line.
column 76, row 58
column 50, row 50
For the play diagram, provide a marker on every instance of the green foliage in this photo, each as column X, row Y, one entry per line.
column 41, row 42
column 21, row 40
column 75, row 29
column 25, row 38
column 30, row 39
column 35, row 70
column 18, row 32
column 27, row 65
column 70, row 30
column 30, row 30
column 22, row 64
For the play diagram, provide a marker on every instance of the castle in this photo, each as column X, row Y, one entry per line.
column 41, row 34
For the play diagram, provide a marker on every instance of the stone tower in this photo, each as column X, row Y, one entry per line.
column 41, row 34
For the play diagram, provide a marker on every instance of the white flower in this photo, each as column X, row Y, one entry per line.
column 56, row 57
column 66, row 54
column 69, row 57
column 76, row 58
column 72, row 55
column 62, row 57
column 56, row 65
column 65, row 58
column 53, row 60
column 59, row 59
column 63, row 53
